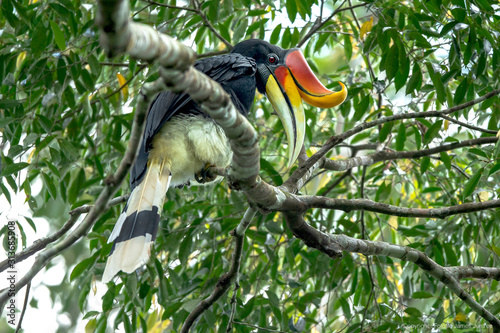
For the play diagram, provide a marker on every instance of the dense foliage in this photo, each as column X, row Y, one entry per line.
column 66, row 111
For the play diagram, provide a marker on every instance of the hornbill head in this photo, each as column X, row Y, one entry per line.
column 287, row 80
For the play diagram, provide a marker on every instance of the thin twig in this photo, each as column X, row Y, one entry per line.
column 472, row 127
column 258, row 327
column 209, row 25
column 41, row 243
column 225, row 280
column 321, row 23
column 25, row 305
column 171, row 6
column 337, row 139
column 112, row 185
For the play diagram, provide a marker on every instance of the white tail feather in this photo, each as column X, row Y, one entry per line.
column 130, row 254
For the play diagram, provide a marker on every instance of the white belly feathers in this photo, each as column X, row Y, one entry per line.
column 190, row 142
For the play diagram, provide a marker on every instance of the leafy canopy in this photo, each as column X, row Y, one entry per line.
column 66, row 116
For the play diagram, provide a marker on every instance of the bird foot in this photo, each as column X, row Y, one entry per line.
column 205, row 175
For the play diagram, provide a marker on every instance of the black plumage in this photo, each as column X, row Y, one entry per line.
column 235, row 73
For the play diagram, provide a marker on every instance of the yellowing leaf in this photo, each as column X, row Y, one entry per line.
column 446, row 124
column 160, row 326
column 366, row 27
column 496, row 249
column 123, row 85
column 32, row 153
column 20, row 59
column 91, row 326
column 460, row 317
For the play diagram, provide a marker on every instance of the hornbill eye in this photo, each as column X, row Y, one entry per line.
column 272, row 58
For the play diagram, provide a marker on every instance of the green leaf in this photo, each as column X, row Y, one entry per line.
column 402, row 75
column 432, row 132
column 75, row 186
column 8, row 104
column 485, row 5
column 401, row 137
column 275, row 35
column 361, row 108
column 347, row 47
column 421, row 294
column 415, row 81
column 185, row 249
column 385, row 131
column 95, row 66
column 383, row 192
column 39, row 40
column 14, row 168
column 445, row 158
column 392, row 61
column 247, row 308
column 471, row 184
column 107, row 299
column 438, row 84
column 87, row 80
column 414, row 312
column 49, row 184
column 424, row 164
column 240, row 31
column 273, row 299
column 481, row 64
column 461, row 91
column 269, row 169
column 82, row 266
column 58, row 36
column 291, row 9
column 451, row 257
column 494, row 169
column 478, row 152
column 224, row 32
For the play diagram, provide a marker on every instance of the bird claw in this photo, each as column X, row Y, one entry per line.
column 205, row 175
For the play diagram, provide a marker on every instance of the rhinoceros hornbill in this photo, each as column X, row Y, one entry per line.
column 180, row 142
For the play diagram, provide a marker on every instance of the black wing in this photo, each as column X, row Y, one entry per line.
column 234, row 72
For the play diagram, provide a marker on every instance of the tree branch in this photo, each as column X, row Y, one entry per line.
column 337, row 139
column 476, row 272
column 41, row 243
column 171, row 6
column 120, row 35
column 225, row 280
column 385, row 155
column 320, row 23
column 469, row 126
column 209, row 25
column 348, row 205
column 404, row 253
column 112, row 184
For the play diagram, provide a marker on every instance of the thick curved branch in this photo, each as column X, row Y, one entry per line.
column 120, row 35
column 268, row 198
column 474, row 272
column 448, row 276
column 421, row 260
